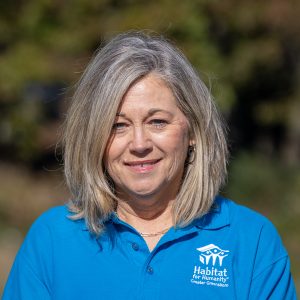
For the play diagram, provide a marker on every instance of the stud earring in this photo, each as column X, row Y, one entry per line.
column 191, row 154
column 192, row 148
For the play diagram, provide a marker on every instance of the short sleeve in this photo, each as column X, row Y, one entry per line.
column 274, row 282
column 271, row 277
column 29, row 277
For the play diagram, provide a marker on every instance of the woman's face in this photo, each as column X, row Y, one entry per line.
column 149, row 142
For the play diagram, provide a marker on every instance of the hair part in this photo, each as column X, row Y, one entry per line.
column 120, row 63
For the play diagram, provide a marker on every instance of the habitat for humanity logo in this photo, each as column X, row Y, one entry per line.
column 212, row 253
column 212, row 273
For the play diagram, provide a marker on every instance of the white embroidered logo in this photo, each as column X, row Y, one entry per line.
column 212, row 252
column 213, row 273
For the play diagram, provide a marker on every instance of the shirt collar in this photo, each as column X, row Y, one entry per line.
column 216, row 218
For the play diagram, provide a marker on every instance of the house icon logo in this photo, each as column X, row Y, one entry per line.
column 212, row 254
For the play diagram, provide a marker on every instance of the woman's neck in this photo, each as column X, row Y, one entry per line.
column 151, row 220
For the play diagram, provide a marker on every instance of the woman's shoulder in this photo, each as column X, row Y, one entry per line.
column 254, row 241
column 54, row 215
column 55, row 220
column 238, row 213
column 54, row 212
column 51, row 229
column 252, row 227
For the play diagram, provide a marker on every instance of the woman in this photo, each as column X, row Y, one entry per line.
column 145, row 155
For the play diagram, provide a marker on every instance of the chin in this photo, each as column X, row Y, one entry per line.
column 144, row 193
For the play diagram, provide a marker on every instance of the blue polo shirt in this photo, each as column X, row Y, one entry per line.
column 231, row 253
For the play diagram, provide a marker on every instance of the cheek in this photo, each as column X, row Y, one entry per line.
column 175, row 143
column 109, row 165
column 177, row 147
column 113, row 151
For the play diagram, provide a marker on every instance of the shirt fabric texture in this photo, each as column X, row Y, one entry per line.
column 230, row 253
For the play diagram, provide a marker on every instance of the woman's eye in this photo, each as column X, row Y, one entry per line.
column 158, row 123
column 119, row 126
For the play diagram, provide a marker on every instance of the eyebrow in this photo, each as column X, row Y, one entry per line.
column 151, row 112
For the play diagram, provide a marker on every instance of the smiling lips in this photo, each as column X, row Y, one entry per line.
column 142, row 166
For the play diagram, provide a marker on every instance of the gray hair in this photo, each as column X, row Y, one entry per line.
column 121, row 62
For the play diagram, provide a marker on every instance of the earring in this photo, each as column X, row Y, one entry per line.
column 192, row 149
column 191, row 154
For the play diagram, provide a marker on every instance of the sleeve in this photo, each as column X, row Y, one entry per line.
column 30, row 276
column 274, row 282
column 272, row 278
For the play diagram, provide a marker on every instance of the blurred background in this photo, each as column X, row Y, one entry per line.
column 247, row 51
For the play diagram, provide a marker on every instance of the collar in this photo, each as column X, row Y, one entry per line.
column 216, row 218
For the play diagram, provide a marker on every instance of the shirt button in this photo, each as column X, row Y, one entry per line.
column 135, row 246
column 149, row 270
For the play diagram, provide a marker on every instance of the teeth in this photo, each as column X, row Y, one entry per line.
column 145, row 164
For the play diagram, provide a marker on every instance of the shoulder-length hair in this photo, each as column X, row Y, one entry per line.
column 121, row 62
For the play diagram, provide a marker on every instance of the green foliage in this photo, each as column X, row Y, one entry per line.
column 233, row 45
column 263, row 182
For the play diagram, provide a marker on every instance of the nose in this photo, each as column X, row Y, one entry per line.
column 141, row 141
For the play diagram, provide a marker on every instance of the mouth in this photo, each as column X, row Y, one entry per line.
column 142, row 166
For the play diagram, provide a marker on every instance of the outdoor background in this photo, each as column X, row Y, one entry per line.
column 247, row 51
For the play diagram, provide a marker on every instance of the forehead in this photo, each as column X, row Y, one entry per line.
column 150, row 92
